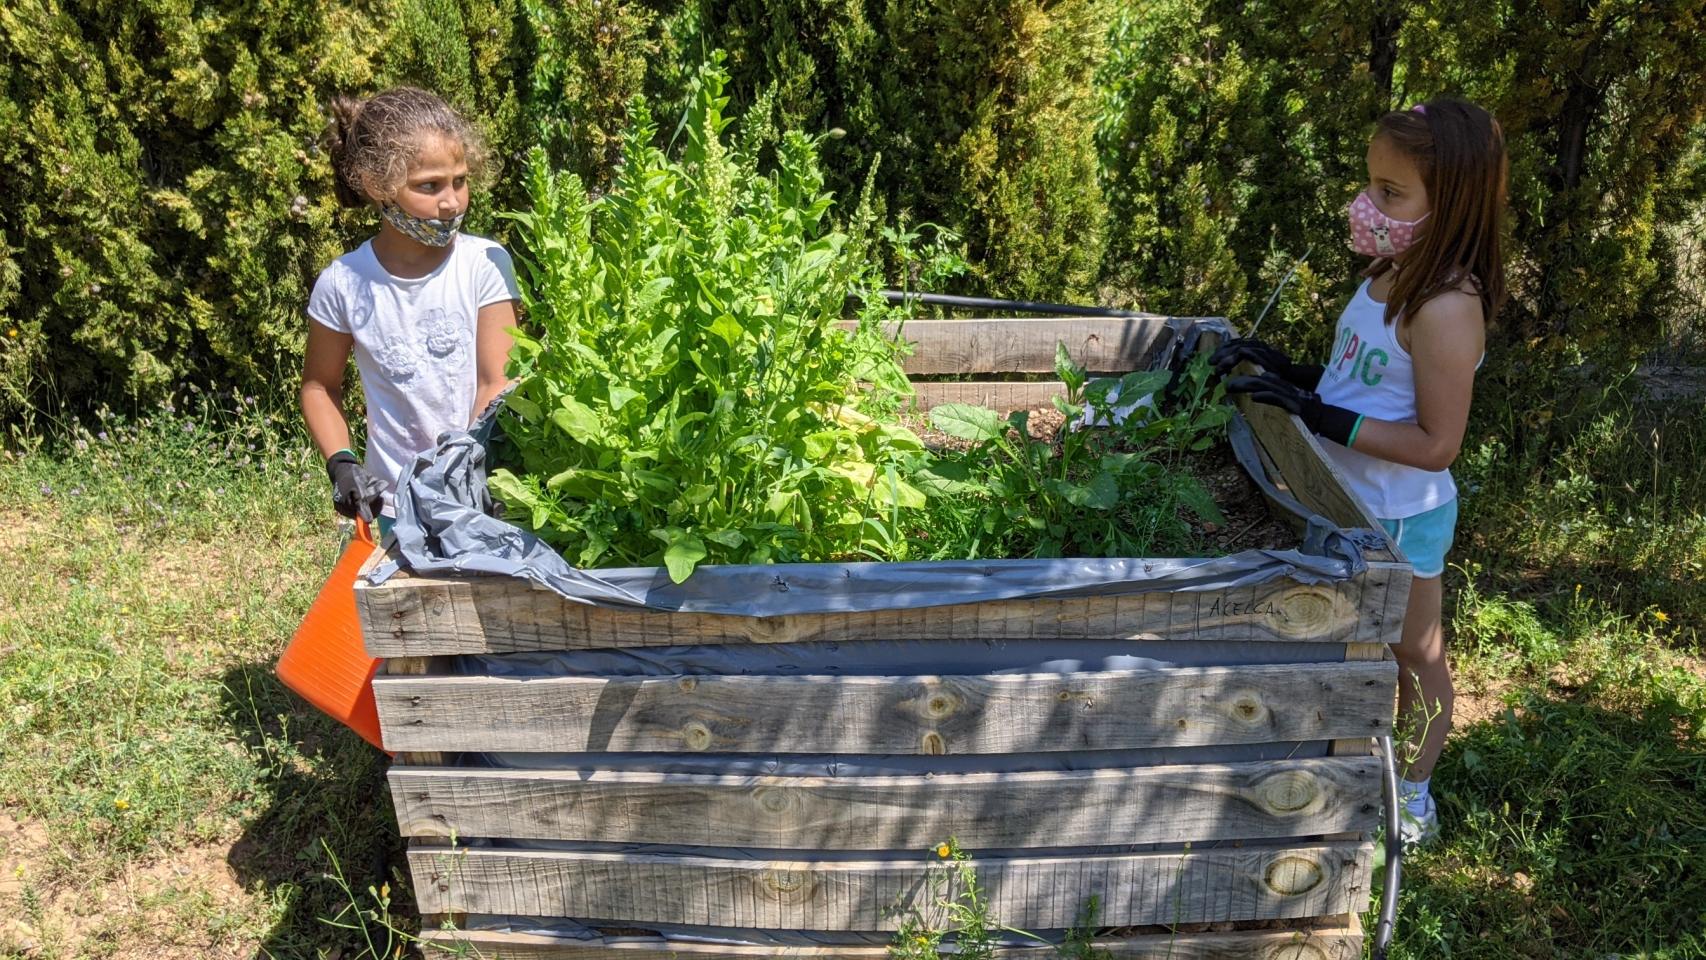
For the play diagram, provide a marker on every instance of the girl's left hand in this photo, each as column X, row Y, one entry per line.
column 1324, row 419
column 356, row 492
column 1270, row 358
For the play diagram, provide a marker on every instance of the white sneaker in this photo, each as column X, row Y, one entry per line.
column 1418, row 831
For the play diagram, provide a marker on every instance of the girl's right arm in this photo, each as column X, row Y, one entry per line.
column 323, row 368
column 356, row 492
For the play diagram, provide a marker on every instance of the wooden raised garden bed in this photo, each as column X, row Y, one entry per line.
column 1194, row 857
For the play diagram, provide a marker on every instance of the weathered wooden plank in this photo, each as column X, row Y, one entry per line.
column 1327, row 940
column 419, row 667
column 1164, row 804
column 412, row 667
column 1000, row 396
column 1308, row 474
column 1382, row 618
column 1189, row 886
column 1360, row 652
column 1027, row 344
column 418, row 616
column 1006, row 713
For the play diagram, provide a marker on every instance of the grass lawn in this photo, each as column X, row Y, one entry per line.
column 161, row 793
column 163, row 796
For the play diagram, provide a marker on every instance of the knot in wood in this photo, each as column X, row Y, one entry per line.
column 696, row 736
column 774, row 801
column 933, row 745
column 1296, row 951
column 939, row 704
column 1294, row 875
column 688, row 684
column 786, row 886
column 1289, row 791
column 1246, row 708
column 1305, row 611
column 1067, row 696
column 782, row 629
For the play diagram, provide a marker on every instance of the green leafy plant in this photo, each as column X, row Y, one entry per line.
column 960, row 909
column 691, row 395
column 1079, row 943
column 690, row 392
column 957, row 922
column 1116, row 490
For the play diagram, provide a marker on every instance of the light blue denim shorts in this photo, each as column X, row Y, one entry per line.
column 1426, row 537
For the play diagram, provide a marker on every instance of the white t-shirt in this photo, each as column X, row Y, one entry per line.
column 414, row 342
column 1370, row 372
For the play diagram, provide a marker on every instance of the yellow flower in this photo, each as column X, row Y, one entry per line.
column 19, row 872
column 943, row 850
column 122, row 803
column 12, row 332
column 1661, row 616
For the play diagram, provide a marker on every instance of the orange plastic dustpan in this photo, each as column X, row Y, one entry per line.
column 326, row 662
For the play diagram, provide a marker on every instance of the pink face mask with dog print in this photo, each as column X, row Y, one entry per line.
column 1374, row 234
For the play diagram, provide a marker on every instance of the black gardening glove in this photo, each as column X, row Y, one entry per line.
column 356, row 492
column 1270, row 358
column 1335, row 423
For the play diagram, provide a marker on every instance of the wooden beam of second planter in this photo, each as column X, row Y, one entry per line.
column 1031, row 893
column 1052, row 808
column 1027, row 345
column 1002, row 397
column 1006, row 713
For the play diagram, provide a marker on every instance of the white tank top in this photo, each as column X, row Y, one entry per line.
column 1371, row 373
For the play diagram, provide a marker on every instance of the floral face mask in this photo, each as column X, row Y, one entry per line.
column 426, row 230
